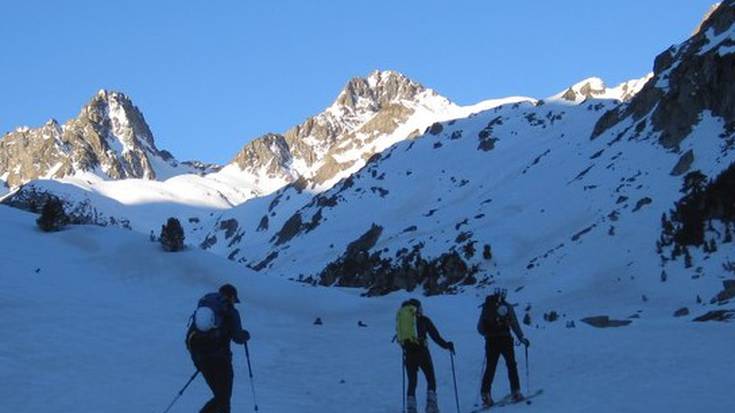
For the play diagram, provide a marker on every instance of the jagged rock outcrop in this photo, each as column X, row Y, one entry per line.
column 688, row 79
column 270, row 152
column 109, row 137
column 706, row 17
column 360, row 267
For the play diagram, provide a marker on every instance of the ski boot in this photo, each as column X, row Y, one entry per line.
column 487, row 400
column 431, row 406
column 517, row 396
column 411, row 405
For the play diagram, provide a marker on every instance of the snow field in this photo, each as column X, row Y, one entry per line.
column 100, row 327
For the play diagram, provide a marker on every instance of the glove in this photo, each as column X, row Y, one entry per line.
column 525, row 342
column 450, row 347
column 245, row 335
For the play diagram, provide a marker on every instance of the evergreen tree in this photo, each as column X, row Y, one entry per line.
column 694, row 183
column 712, row 245
column 487, row 253
column 728, row 234
column 172, row 235
column 687, row 258
column 53, row 217
column 469, row 250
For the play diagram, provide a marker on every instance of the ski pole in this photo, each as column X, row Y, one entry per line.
column 403, row 376
column 250, row 372
column 454, row 377
column 480, row 379
column 181, row 392
column 528, row 376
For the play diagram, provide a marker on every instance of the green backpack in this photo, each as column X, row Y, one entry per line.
column 406, row 325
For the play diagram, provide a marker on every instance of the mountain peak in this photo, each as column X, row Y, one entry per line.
column 107, row 95
column 595, row 88
column 587, row 88
column 378, row 89
column 115, row 113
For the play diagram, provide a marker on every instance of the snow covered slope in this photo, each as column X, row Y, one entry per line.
column 94, row 318
column 554, row 189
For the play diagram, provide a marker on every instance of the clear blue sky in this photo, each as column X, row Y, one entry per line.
column 211, row 75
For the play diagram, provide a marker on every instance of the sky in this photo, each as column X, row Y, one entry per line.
column 211, row 76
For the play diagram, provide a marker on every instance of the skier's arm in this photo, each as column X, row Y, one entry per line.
column 481, row 323
column 514, row 324
column 239, row 335
column 434, row 334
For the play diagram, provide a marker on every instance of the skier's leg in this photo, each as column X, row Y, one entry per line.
column 412, row 372
column 492, row 354
column 226, row 389
column 510, row 362
column 219, row 378
column 427, row 366
column 209, row 373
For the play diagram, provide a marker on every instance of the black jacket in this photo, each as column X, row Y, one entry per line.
column 424, row 328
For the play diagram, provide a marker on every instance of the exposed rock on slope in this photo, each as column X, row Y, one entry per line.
column 696, row 76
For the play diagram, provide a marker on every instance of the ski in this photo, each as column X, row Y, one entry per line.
column 508, row 401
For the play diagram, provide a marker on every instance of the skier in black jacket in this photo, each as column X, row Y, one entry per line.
column 210, row 351
column 496, row 321
column 417, row 356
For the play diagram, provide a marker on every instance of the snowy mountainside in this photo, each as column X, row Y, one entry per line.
column 544, row 187
column 88, row 325
column 368, row 116
column 263, row 217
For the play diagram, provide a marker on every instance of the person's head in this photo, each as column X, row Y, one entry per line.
column 492, row 299
column 229, row 292
column 416, row 303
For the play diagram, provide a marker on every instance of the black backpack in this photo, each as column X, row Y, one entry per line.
column 495, row 316
column 206, row 331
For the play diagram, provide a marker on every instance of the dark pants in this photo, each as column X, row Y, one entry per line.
column 217, row 371
column 494, row 347
column 418, row 357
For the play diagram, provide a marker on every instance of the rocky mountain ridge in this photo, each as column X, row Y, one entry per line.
column 109, row 138
column 348, row 132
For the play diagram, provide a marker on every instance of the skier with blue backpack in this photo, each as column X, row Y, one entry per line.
column 213, row 325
